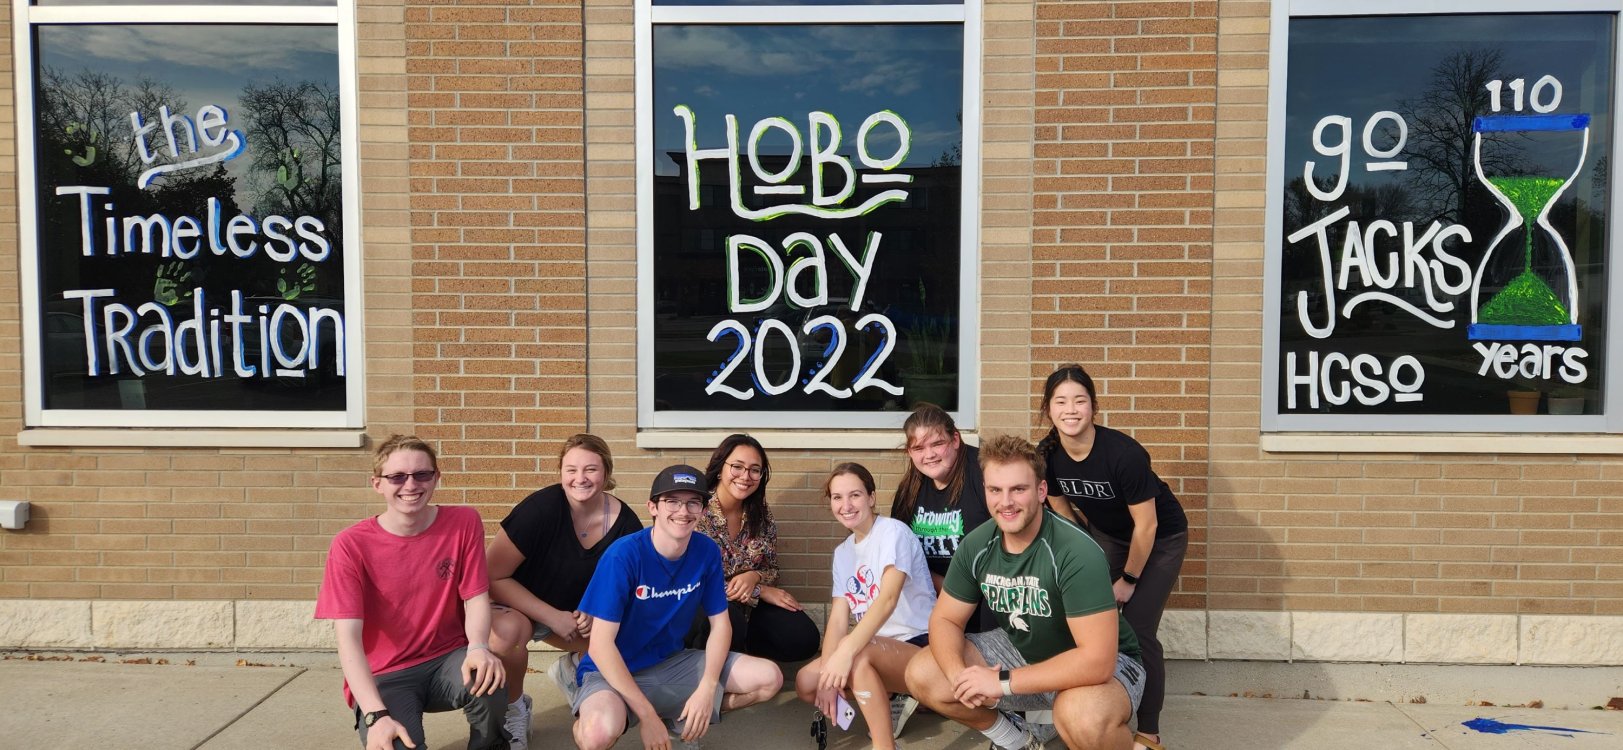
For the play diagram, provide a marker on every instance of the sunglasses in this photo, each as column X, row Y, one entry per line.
column 422, row 477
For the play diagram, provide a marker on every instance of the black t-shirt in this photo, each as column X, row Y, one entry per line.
column 556, row 568
column 1115, row 474
column 941, row 525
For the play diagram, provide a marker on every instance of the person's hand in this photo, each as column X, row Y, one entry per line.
column 562, row 624
column 977, row 687
column 778, row 597
column 1123, row 590
column 695, row 716
column 482, row 672
column 654, row 736
column 836, row 672
column 583, row 624
column 826, row 701
column 381, row 736
column 740, row 587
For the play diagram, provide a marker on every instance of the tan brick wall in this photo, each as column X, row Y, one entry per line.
column 1122, row 255
column 1467, row 533
column 494, row 106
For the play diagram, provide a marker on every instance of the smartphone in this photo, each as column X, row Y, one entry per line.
column 843, row 712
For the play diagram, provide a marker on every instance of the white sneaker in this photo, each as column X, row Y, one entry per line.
column 517, row 723
column 902, row 707
column 562, row 672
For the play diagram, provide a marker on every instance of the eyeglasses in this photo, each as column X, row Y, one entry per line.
column 676, row 503
column 754, row 472
column 422, row 477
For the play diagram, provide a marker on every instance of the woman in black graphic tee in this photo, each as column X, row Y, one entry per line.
column 1102, row 478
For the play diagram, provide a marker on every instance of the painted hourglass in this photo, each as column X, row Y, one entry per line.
column 1528, row 266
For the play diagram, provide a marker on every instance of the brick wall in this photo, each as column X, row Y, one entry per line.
column 1121, row 249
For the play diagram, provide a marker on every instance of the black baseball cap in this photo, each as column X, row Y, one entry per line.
column 679, row 478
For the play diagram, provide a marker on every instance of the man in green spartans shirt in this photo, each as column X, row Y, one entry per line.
column 1060, row 644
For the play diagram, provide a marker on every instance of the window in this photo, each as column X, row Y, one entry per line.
column 187, row 214
column 790, row 273
column 1438, row 210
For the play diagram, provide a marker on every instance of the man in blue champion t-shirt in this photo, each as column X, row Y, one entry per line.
column 656, row 579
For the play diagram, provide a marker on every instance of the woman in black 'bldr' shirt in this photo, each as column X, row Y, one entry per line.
column 1102, row 478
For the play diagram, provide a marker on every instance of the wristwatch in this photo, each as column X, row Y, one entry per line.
column 1129, row 577
column 1003, row 677
column 371, row 717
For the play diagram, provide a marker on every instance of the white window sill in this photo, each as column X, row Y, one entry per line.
column 880, row 440
column 1578, row 443
column 58, row 437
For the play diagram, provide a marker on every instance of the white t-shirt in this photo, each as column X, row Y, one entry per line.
column 859, row 568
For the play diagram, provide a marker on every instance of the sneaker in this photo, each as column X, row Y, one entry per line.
column 1031, row 741
column 1044, row 732
column 902, row 707
column 562, row 672
column 517, row 723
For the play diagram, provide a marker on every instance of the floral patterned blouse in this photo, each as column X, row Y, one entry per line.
column 743, row 553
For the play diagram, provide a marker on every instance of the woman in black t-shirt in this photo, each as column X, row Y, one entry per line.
column 1102, row 478
column 941, row 495
column 540, row 562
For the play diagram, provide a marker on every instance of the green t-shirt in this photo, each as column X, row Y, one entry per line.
column 1062, row 574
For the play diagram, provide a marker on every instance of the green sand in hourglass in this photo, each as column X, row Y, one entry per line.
column 1527, row 299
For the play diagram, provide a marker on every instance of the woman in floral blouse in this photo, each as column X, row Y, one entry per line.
column 767, row 621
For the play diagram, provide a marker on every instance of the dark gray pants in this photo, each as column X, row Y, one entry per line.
column 434, row 686
column 1143, row 611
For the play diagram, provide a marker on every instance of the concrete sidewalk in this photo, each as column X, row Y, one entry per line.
column 227, row 701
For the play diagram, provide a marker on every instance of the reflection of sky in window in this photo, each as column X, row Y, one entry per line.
column 205, row 64
column 1356, row 67
column 851, row 71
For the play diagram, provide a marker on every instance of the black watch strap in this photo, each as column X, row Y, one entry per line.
column 371, row 717
column 1129, row 577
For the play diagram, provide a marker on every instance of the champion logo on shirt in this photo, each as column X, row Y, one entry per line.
column 649, row 592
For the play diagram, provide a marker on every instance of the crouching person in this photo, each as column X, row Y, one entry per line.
column 643, row 598
column 1061, row 644
column 408, row 593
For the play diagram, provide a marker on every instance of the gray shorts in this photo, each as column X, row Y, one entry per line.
column 667, row 685
column 995, row 647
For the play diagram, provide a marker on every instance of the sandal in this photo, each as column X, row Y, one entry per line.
column 1144, row 739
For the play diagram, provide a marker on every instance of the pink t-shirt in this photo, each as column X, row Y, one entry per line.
column 407, row 591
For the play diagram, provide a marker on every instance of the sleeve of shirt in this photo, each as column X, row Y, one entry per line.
column 605, row 597
column 475, row 576
column 835, row 589
column 960, row 578
column 714, row 590
column 1138, row 481
column 973, row 501
column 526, row 524
column 1084, row 579
column 341, row 583
column 769, row 551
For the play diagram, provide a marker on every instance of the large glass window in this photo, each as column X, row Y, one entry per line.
column 1440, row 196
column 807, row 237
column 186, row 246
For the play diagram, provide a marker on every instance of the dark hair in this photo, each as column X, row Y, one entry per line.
column 1008, row 449
column 397, row 443
column 595, row 444
column 927, row 416
column 1071, row 373
column 755, row 504
column 854, row 469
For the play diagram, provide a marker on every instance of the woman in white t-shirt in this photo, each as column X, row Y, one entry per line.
column 883, row 583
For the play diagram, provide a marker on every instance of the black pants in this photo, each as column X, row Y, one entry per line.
column 1143, row 611
column 764, row 630
column 434, row 686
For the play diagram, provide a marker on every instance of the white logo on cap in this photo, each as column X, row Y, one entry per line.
column 684, row 479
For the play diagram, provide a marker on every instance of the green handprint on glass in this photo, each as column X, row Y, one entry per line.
column 166, row 286
column 303, row 280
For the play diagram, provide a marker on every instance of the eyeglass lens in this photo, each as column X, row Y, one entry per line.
column 422, row 477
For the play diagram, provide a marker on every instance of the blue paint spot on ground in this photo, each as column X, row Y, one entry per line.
column 1495, row 726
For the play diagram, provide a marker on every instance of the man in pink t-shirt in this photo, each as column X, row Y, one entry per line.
column 409, row 595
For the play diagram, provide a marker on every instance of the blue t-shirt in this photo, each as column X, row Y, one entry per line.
column 653, row 599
